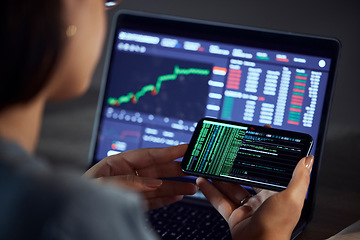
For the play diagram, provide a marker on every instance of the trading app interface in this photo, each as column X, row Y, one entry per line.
column 160, row 86
column 246, row 153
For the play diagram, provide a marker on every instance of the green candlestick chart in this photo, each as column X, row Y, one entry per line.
column 155, row 89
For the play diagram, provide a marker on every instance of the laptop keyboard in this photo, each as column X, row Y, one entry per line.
column 188, row 221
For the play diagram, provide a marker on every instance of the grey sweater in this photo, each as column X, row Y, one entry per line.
column 38, row 201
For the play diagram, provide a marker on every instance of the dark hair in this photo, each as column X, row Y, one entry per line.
column 32, row 37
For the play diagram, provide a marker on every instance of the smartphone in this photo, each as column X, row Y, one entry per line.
column 247, row 154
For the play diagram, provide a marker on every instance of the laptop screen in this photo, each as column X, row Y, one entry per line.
column 164, row 74
column 159, row 85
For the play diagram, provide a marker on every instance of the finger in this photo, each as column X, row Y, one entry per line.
column 133, row 182
column 257, row 200
column 220, row 202
column 127, row 162
column 235, row 192
column 172, row 188
column 299, row 183
column 146, row 157
column 268, row 126
column 257, row 190
column 284, row 208
column 110, row 166
column 166, row 170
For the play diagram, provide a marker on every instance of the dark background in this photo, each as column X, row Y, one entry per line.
column 66, row 134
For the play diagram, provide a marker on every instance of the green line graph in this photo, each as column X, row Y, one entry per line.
column 155, row 89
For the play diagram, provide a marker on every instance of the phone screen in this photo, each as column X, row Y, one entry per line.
column 251, row 155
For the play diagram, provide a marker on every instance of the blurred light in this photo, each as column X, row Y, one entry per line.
column 111, row 3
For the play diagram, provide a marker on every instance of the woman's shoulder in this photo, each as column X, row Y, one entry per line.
column 32, row 175
column 39, row 199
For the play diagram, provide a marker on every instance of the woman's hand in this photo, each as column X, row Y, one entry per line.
column 267, row 215
column 140, row 169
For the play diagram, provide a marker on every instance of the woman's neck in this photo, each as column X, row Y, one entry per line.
column 21, row 123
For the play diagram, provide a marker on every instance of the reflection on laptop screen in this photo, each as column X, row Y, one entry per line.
column 159, row 86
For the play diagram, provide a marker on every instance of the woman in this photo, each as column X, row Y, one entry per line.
column 49, row 51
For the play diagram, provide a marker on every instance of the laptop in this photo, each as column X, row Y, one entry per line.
column 163, row 74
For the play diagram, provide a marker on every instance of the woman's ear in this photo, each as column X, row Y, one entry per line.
column 84, row 33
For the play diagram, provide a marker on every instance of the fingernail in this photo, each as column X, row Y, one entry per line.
column 152, row 182
column 179, row 197
column 309, row 160
column 198, row 180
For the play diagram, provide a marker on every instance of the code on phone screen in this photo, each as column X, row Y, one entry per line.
column 246, row 153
